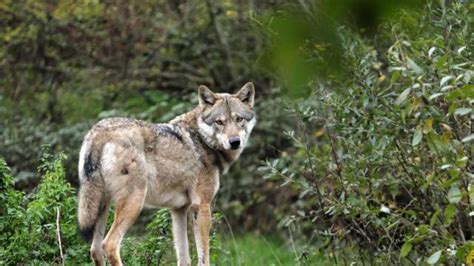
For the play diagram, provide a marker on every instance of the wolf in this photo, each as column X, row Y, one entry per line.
column 133, row 164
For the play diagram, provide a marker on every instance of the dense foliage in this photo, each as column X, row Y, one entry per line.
column 375, row 99
column 41, row 227
column 382, row 160
column 28, row 222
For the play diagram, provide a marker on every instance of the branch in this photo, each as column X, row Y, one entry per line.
column 58, row 233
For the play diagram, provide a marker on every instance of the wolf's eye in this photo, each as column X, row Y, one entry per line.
column 219, row 122
column 239, row 119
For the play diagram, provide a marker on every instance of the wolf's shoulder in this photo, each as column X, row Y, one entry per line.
column 113, row 123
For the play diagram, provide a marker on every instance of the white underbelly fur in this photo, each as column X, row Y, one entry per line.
column 169, row 199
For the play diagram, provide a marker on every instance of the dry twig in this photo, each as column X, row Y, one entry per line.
column 58, row 234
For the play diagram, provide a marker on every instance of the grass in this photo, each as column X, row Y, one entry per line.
column 260, row 250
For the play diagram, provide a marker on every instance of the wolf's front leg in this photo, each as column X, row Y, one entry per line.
column 180, row 236
column 202, row 227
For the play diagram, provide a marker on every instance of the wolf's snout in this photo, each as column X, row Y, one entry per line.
column 234, row 142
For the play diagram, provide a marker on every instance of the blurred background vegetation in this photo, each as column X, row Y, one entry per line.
column 363, row 148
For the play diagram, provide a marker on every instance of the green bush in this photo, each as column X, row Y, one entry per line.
column 28, row 227
column 28, row 224
column 156, row 245
column 382, row 160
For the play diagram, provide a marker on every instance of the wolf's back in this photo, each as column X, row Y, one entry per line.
column 91, row 192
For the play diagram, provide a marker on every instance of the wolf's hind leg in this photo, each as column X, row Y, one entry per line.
column 127, row 210
column 97, row 253
column 180, row 235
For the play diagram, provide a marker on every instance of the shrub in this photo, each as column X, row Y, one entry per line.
column 155, row 247
column 29, row 225
column 382, row 161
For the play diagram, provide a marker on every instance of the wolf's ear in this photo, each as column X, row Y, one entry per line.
column 206, row 96
column 247, row 94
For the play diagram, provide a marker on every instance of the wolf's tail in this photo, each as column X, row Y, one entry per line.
column 91, row 202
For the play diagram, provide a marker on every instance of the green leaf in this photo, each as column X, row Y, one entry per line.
column 434, row 257
column 449, row 213
column 412, row 65
column 462, row 111
column 406, row 248
column 434, row 217
column 423, row 229
column 301, row 213
column 461, row 162
column 395, row 76
column 403, row 96
column 449, row 182
column 467, row 91
column 447, row 88
column 445, row 79
column 436, row 95
column 417, row 137
column 454, row 195
column 442, row 61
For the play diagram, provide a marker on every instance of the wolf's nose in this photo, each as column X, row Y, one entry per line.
column 234, row 142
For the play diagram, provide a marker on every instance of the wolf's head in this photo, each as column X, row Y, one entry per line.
column 226, row 119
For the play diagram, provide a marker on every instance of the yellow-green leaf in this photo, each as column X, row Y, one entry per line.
column 406, row 248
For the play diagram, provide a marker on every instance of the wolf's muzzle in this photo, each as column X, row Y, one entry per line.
column 234, row 143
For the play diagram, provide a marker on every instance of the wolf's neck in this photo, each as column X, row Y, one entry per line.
column 224, row 158
column 189, row 121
